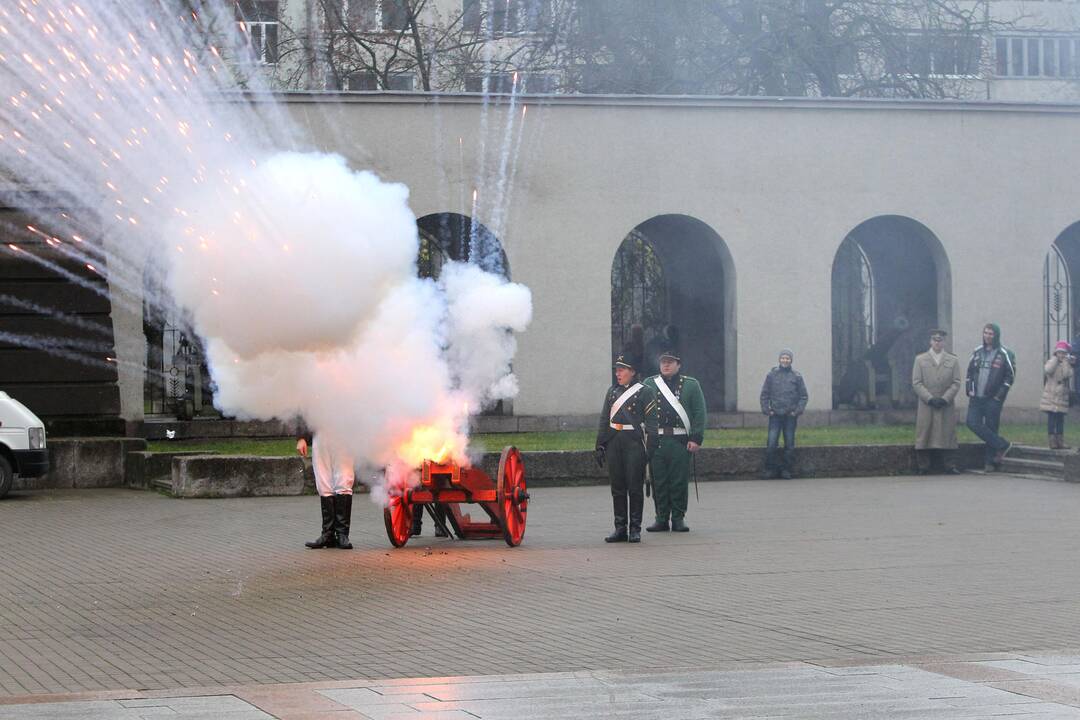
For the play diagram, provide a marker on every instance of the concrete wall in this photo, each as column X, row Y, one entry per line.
column 782, row 182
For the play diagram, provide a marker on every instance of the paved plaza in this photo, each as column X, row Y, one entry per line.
column 905, row 597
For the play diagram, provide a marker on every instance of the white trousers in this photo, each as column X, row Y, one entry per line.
column 334, row 471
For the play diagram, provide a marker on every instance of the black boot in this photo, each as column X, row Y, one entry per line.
column 678, row 525
column 343, row 519
column 440, row 520
column 658, row 526
column 417, row 521
column 619, row 504
column 637, row 503
column 327, row 539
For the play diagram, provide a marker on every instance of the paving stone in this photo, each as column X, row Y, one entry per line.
column 864, row 578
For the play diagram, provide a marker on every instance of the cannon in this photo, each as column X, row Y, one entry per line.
column 504, row 499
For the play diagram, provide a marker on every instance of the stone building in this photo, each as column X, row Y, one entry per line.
column 833, row 227
column 841, row 228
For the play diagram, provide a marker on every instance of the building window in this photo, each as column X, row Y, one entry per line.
column 376, row 15
column 367, row 81
column 360, row 15
column 258, row 21
column 933, row 53
column 1036, row 56
column 394, row 15
column 537, row 83
column 506, row 17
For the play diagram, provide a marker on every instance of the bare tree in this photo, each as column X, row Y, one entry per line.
column 869, row 48
column 390, row 44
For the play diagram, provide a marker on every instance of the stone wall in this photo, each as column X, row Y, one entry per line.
column 84, row 463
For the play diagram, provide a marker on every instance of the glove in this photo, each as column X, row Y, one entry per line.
column 601, row 457
column 937, row 403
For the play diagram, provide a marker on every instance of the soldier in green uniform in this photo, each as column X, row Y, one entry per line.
column 625, row 442
column 681, row 426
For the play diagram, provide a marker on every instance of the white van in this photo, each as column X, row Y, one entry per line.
column 22, row 443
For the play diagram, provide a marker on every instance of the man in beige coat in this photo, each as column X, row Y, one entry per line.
column 936, row 380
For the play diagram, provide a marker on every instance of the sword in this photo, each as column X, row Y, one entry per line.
column 648, row 481
column 693, row 465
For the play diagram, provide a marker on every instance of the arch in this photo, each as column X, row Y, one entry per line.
column 673, row 279
column 450, row 236
column 1057, row 300
column 1063, row 259
column 176, row 379
column 891, row 284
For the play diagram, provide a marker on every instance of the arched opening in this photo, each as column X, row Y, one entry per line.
column 1057, row 300
column 448, row 237
column 1061, row 305
column 673, row 281
column 890, row 286
column 176, row 382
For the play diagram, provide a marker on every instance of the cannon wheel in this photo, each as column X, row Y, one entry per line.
column 510, row 486
column 398, row 516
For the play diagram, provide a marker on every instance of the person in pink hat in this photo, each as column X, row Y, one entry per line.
column 1057, row 376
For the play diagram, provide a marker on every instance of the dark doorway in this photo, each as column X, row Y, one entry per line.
column 177, row 380
column 890, row 287
column 449, row 236
column 446, row 237
column 672, row 281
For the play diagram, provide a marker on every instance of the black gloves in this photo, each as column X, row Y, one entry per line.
column 937, row 403
column 601, row 456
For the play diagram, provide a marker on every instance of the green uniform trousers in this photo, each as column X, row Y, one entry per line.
column 670, row 469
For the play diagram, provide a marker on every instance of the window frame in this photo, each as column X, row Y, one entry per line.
column 1057, row 51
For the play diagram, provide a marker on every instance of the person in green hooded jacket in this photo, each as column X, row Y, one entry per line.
column 681, row 428
column 990, row 374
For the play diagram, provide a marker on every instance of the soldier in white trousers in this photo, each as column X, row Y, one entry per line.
column 334, row 476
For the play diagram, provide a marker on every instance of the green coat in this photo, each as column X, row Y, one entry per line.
column 687, row 391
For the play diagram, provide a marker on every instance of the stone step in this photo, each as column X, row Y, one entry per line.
column 162, row 483
column 1033, row 452
column 1044, row 468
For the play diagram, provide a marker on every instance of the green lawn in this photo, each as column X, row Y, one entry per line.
column 584, row 439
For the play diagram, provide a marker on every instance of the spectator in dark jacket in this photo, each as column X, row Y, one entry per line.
column 990, row 375
column 783, row 399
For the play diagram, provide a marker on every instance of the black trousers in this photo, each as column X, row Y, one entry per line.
column 626, row 470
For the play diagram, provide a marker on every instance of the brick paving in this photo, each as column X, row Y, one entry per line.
column 132, row 591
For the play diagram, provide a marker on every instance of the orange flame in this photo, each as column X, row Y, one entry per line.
column 427, row 442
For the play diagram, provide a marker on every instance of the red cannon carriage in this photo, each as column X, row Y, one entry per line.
column 505, row 500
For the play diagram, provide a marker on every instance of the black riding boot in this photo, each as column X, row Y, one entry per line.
column 343, row 519
column 637, row 504
column 440, row 519
column 417, row 521
column 327, row 539
column 619, row 504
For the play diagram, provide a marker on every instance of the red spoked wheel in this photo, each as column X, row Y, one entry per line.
column 398, row 517
column 512, row 495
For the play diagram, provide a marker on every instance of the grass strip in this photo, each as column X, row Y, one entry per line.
column 1031, row 434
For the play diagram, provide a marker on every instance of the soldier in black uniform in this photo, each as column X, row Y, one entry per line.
column 625, row 442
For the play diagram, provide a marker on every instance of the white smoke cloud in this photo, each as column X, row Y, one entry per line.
column 299, row 258
column 297, row 271
column 483, row 310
